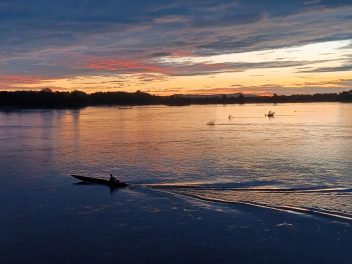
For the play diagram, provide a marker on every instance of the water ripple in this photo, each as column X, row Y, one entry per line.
column 328, row 202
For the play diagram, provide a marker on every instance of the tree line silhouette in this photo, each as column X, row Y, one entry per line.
column 47, row 98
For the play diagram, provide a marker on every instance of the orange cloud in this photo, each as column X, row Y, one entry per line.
column 181, row 53
column 18, row 79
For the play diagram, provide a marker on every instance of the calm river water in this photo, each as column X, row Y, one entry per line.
column 247, row 189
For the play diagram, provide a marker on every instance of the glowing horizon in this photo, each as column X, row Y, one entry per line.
column 169, row 48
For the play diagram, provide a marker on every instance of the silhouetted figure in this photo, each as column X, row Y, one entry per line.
column 113, row 179
column 270, row 114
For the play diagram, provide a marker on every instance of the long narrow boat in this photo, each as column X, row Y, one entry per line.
column 100, row 181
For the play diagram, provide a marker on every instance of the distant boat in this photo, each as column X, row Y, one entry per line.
column 113, row 184
column 211, row 123
column 270, row 114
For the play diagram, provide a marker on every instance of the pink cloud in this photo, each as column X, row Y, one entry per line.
column 181, row 53
column 123, row 65
column 18, row 79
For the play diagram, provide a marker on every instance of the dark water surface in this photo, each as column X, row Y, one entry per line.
column 184, row 204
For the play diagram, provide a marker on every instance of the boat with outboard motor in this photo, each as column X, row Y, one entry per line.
column 114, row 184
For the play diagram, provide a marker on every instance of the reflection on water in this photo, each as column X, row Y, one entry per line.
column 46, row 217
column 306, row 144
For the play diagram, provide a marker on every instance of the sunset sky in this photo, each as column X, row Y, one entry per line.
column 176, row 47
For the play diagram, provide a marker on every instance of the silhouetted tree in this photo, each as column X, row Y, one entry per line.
column 46, row 98
column 241, row 99
column 46, row 90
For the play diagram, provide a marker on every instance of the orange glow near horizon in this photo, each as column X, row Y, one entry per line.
column 182, row 73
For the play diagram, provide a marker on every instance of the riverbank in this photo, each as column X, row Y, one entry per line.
column 77, row 99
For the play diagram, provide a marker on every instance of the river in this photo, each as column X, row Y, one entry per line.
column 248, row 188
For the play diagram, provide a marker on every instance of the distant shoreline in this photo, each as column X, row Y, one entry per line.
column 63, row 100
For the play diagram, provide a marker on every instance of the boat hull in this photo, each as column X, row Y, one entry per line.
column 100, row 181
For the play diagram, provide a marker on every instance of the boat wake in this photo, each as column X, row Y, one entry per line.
column 328, row 202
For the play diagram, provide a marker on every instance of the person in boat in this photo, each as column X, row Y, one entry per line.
column 270, row 114
column 113, row 179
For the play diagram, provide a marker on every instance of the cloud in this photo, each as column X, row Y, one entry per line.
column 123, row 66
column 9, row 82
column 190, row 68
column 341, row 83
column 268, row 90
column 10, row 79
column 116, row 26
column 54, row 39
column 330, row 69
column 211, row 68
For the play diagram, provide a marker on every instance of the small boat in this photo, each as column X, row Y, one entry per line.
column 211, row 123
column 270, row 114
column 113, row 184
